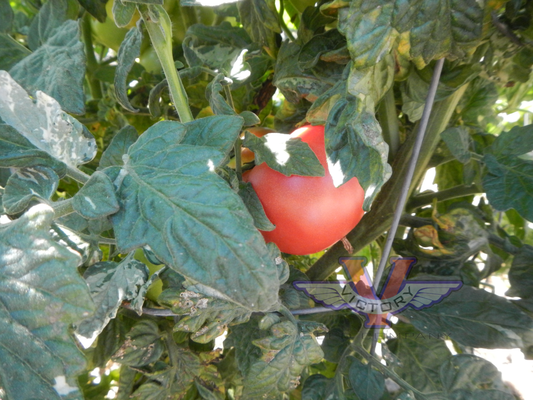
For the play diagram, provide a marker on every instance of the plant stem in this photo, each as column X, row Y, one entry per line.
column 92, row 64
column 188, row 15
column 283, row 24
column 388, row 119
column 424, row 199
column 160, row 32
column 62, row 208
column 77, row 175
column 378, row 220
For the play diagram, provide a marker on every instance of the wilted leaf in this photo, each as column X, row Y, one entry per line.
column 285, row 154
column 26, row 185
column 129, row 50
column 172, row 200
column 111, row 283
column 96, row 199
column 509, row 179
column 44, row 124
column 56, row 68
column 41, row 294
column 218, row 103
column 143, row 345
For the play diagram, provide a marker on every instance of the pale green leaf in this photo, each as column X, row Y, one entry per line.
column 96, row 199
column 172, row 200
column 285, row 154
column 57, row 68
column 111, row 283
column 372, row 82
column 26, row 185
column 129, row 50
column 44, row 124
column 123, row 12
column 41, row 296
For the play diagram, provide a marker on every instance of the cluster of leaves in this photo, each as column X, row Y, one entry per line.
column 125, row 232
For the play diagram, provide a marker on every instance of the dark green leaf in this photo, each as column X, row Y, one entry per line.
column 255, row 208
column 509, row 179
column 6, row 16
column 41, row 295
column 111, row 283
column 260, row 20
column 123, row 12
column 477, row 318
column 172, row 200
column 241, row 337
column 11, row 51
column 465, row 376
column 334, row 344
column 143, row 345
column 126, row 382
column 285, row 354
column 17, row 151
column 44, row 124
column 129, row 50
column 50, row 17
column 294, row 83
column 366, row 382
column 521, row 273
column 57, row 68
column 285, row 154
column 218, row 104
column 96, row 199
column 119, row 146
column 219, row 132
column 96, row 8
column 420, row 355
column 315, row 387
column 159, row 2
column 311, row 52
column 355, row 147
column 446, row 28
column 458, row 141
column 26, row 185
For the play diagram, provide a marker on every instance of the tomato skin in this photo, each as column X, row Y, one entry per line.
column 310, row 213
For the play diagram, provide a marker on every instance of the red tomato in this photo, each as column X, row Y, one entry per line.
column 310, row 213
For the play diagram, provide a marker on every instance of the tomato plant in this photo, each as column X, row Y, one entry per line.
column 310, row 213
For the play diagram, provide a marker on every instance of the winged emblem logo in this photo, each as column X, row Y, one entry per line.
column 358, row 294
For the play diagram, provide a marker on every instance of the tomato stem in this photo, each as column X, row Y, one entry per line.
column 92, row 64
column 388, row 119
column 283, row 24
column 62, row 208
column 159, row 28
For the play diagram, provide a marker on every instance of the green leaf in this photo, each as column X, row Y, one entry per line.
column 241, row 338
column 121, row 142
column 366, row 382
column 285, row 354
column 6, row 16
column 250, row 118
column 312, row 51
column 143, row 345
column 205, row 317
column 96, row 199
column 44, row 124
column 521, row 273
column 96, row 8
column 172, row 200
column 26, row 185
column 433, row 30
column 109, row 341
column 420, row 356
column 219, row 132
column 129, row 50
column 509, row 176
column 255, row 208
column 57, row 68
column 355, row 147
column 41, row 295
column 294, row 83
column 111, row 283
column 372, row 82
column 218, row 104
column 458, row 141
column 11, row 51
column 465, row 376
column 315, row 387
column 50, row 17
column 476, row 318
column 123, row 12
column 318, row 113
column 285, row 154
column 260, row 20
column 17, row 151
column 159, row 2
